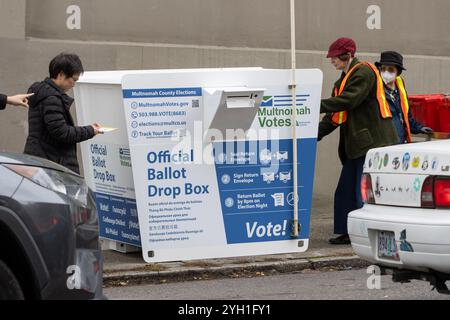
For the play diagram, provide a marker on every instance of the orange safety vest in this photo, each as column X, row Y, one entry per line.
column 339, row 118
column 405, row 106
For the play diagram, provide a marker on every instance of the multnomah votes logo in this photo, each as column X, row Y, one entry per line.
column 267, row 101
column 281, row 101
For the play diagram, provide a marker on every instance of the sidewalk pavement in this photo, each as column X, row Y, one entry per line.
column 123, row 269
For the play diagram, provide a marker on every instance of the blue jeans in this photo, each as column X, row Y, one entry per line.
column 348, row 193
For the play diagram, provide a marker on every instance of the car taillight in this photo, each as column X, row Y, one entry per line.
column 435, row 192
column 442, row 192
column 80, row 215
column 366, row 189
column 427, row 196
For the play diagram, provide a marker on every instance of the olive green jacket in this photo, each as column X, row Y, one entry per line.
column 365, row 128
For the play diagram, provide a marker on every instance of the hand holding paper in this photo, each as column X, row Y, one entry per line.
column 97, row 128
column 102, row 129
column 107, row 129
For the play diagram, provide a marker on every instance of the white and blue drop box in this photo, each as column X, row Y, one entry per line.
column 201, row 164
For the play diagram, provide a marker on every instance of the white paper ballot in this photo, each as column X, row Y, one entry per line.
column 106, row 129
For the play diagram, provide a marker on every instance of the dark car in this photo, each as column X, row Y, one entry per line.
column 49, row 240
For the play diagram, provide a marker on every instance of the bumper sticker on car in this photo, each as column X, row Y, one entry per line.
column 386, row 160
column 405, row 245
column 405, row 161
column 435, row 164
column 425, row 164
column 415, row 162
column 396, row 163
column 397, row 160
column 376, row 160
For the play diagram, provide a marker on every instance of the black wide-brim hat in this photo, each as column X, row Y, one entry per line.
column 391, row 58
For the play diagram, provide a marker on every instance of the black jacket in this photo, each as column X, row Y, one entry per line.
column 3, row 99
column 52, row 133
column 365, row 128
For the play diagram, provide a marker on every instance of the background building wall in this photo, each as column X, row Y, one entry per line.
column 157, row 34
column 411, row 26
column 12, row 19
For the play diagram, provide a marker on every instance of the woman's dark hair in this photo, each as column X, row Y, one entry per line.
column 344, row 57
column 67, row 63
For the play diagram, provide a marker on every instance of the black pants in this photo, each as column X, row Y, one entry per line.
column 348, row 193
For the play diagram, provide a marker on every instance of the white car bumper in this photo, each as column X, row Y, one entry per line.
column 427, row 232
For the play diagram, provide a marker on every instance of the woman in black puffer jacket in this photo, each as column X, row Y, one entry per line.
column 52, row 133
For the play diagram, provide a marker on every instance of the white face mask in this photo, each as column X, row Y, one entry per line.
column 388, row 77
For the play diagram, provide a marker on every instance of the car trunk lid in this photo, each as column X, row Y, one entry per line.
column 398, row 172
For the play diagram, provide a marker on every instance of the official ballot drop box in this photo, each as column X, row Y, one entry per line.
column 200, row 164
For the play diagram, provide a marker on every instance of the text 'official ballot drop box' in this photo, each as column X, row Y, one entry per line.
column 201, row 162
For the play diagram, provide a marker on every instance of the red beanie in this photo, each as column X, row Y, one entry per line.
column 342, row 46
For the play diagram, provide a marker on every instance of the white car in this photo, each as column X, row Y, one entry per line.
column 404, row 225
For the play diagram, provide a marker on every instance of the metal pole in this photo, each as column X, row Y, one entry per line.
column 293, row 88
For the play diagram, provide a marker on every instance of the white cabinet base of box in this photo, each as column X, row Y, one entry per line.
column 118, row 246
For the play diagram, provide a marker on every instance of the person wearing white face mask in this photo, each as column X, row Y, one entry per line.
column 391, row 67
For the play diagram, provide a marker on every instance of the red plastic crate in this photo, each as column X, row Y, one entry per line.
column 444, row 115
column 428, row 109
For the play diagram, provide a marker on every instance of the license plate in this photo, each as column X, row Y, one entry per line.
column 387, row 247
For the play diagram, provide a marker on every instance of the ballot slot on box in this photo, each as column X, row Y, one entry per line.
column 235, row 108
